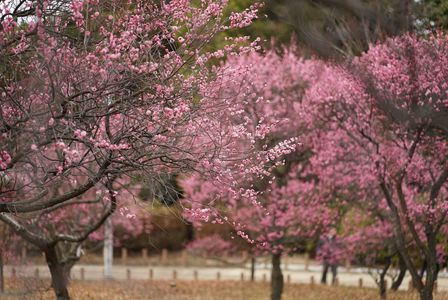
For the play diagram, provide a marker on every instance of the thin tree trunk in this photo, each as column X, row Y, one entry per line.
column 252, row 268
column 2, row 278
column 276, row 277
column 382, row 280
column 108, row 249
column 58, row 279
column 399, row 280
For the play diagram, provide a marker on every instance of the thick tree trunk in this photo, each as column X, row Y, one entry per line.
column 276, row 277
column 58, row 279
column 431, row 274
column 426, row 294
column 399, row 280
column 252, row 268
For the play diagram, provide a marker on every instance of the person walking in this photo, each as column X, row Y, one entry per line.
column 328, row 251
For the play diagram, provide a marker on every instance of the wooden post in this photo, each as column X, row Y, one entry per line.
column 36, row 273
column 312, row 280
column 264, row 277
column 348, row 265
column 360, row 283
column 82, row 274
column 307, row 262
column 151, row 274
column 164, row 256
column 183, row 258
column 174, row 274
column 124, row 256
column 218, row 276
column 13, row 273
column 195, row 275
column 128, row 274
column 336, row 281
column 242, row 276
column 288, row 279
column 24, row 253
column 410, row 285
column 145, row 255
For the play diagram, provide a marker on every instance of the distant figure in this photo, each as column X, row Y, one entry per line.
column 328, row 250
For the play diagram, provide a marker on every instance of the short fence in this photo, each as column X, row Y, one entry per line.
column 172, row 275
column 182, row 260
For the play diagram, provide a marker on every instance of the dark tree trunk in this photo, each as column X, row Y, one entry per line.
column 58, row 279
column 276, row 278
column 426, row 294
column 431, row 274
column 252, row 268
column 189, row 232
column 2, row 278
column 399, row 280
column 382, row 280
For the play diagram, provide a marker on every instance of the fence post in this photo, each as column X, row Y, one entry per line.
column 288, row 279
column 218, row 276
column 124, row 256
column 164, row 256
column 264, row 277
column 24, row 254
column 336, row 281
column 183, row 258
column 128, row 274
column 312, row 280
column 174, row 274
column 410, row 285
column 36, row 273
column 82, row 274
column 151, row 274
column 195, row 275
column 348, row 265
column 307, row 262
column 13, row 273
column 360, row 283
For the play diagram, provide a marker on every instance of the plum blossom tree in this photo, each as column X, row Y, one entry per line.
column 288, row 208
column 384, row 126
column 96, row 91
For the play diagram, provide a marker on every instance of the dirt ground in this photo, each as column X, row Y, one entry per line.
column 188, row 290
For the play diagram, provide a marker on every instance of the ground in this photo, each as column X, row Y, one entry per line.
column 201, row 290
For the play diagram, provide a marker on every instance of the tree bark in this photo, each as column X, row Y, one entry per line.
column 399, row 280
column 252, row 268
column 2, row 278
column 58, row 278
column 382, row 280
column 276, row 277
